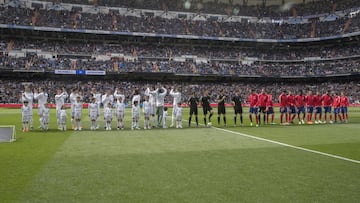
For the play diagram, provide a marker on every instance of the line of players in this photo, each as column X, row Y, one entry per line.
column 292, row 105
column 262, row 104
column 153, row 105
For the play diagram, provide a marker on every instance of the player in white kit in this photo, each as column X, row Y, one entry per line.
column 120, row 112
column 41, row 96
column 28, row 96
column 164, row 117
column 63, row 118
column 147, row 113
column 108, row 116
column 73, row 95
column 26, row 116
column 97, row 97
column 177, row 98
column 60, row 97
column 93, row 113
column 152, row 100
column 78, row 106
column 46, row 117
column 160, row 96
column 178, row 115
column 135, row 110
column 106, row 99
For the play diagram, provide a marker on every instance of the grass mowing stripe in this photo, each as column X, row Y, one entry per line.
column 291, row 146
column 128, row 167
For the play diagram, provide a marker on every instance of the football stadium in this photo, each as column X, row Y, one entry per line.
column 180, row 101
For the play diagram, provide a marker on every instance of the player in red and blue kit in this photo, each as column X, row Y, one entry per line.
column 283, row 100
column 327, row 102
column 292, row 109
column 270, row 109
column 336, row 105
column 253, row 101
column 344, row 103
column 318, row 107
column 300, row 106
column 309, row 106
column 262, row 104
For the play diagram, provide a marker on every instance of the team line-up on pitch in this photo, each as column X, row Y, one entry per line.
column 155, row 113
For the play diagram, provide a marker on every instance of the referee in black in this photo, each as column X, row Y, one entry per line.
column 237, row 103
column 221, row 106
column 193, row 103
column 205, row 103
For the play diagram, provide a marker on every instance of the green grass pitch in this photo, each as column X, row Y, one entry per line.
column 181, row 165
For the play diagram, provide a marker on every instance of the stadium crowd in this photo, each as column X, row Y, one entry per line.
column 178, row 26
column 162, row 58
column 322, row 68
column 166, row 50
column 10, row 90
column 245, row 8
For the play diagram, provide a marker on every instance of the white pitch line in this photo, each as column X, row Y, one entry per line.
column 291, row 146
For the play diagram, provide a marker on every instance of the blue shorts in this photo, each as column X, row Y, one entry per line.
column 301, row 109
column 253, row 110
column 283, row 110
column 318, row 109
column 292, row 110
column 344, row 109
column 336, row 110
column 270, row 110
column 310, row 109
column 327, row 109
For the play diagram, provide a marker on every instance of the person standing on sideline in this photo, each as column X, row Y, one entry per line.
column 262, row 105
column 253, row 108
column 193, row 103
column 344, row 103
column 205, row 103
column 318, row 108
column 270, row 109
column 221, row 107
column 327, row 102
column 237, row 103
column 283, row 108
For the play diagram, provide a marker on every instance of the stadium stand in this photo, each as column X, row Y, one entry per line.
column 31, row 47
column 204, row 26
column 241, row 8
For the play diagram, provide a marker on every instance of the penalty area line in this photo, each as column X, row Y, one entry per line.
column 290, row 146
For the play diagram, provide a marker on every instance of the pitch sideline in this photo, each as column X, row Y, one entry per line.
column 288, row 145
